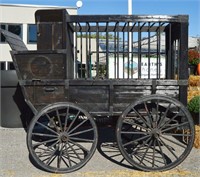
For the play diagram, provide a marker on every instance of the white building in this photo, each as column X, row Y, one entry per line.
column 20, row 20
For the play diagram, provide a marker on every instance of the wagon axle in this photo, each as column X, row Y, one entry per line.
column 64, row 137
column 155, row 132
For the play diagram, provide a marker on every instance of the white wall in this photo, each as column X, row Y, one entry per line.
column 22, row 14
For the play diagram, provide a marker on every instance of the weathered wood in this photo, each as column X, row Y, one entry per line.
column 40, row 66
column 50, row 74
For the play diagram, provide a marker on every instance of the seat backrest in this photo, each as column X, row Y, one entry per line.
column 13, row 40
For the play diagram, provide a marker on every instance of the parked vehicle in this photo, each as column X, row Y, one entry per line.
column 87, row 67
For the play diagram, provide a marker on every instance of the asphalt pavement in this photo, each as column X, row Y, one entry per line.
column 106, row 162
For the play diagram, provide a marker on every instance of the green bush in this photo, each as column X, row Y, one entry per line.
column 194, row 104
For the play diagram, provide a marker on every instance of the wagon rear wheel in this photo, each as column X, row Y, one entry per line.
column 62, row 137
column 155, row 133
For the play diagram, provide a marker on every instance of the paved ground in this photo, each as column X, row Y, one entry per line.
column 15, row 162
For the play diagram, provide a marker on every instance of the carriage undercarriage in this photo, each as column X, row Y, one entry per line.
column 70, row 90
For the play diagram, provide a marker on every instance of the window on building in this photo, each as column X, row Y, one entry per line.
column 3, row 65
column 11, row 66
column 32, row 33
column 14, row 28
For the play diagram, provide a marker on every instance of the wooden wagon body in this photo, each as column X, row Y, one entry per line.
column 67, row 54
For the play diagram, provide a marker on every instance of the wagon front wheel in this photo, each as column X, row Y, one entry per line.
column 155, row 133
column 62, row 138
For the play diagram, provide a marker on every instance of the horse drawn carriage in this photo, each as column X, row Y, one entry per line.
column 129, row 68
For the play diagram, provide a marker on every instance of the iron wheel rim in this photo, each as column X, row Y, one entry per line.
column 160, row 142
column 62, row 137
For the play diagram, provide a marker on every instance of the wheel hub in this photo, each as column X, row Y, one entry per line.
column 64, row 137
column 155, row 132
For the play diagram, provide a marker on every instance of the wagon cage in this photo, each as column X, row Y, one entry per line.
column 130, row 68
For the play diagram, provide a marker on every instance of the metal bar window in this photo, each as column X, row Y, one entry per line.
column 76, row 56
column 139, row 51
column 87, row 54
column 132, row 65
column 128, row 62
column 149, row 49
column 97, row 49
column 108, row 41
column 81, row 54
column 3, row 66
column 107, row 51
column 90, row 49
column 117, row 38
column 158, row 53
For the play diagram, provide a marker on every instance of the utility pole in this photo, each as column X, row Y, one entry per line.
column 130, row 33
column 129, row 7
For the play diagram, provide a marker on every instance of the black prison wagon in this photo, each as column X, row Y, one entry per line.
column 130, row 68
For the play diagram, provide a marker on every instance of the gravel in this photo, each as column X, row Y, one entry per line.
column 15, row 161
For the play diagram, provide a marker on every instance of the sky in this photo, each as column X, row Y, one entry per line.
column 139, row 7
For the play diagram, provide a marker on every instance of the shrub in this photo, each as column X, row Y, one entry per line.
column 194, row 104
column 193, row 57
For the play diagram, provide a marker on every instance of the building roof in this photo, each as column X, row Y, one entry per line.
column 36, row 6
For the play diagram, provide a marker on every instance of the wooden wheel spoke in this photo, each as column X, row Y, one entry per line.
column 178, row 144
column 142, row 118
column 136, row 133
column 82, row 139
column 46, row 127
column 133, row 123
column 51, row 159
column 177, row 134
column 168, row 122
column 146, row 151
column 165, row 114
column 148, row 113
column 136, row 140
column 44, row 142
column 52, row 122
column 59, row 120
column 81, row 132
column 161, row 151
column 157, row 110
column 66, row 118
column 44, row 135
column 168, row 148
column 74, row 119
column 176, row 126
column 78, row 126
column 141, row 146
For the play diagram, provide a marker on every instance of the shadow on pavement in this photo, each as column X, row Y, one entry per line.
column 108, row 148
